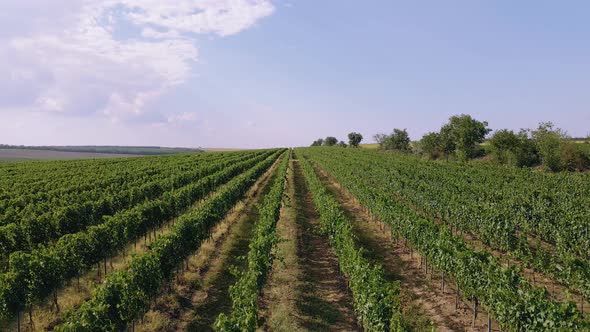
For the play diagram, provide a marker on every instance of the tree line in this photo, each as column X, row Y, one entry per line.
column 464, row 138
column 354, row 139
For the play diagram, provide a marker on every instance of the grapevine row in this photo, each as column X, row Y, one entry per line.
column 502, row 215
column 244, row 293
column 75, row 217
column 515, row 303
column 376, row 301
column 126, row 295
column 33, row 276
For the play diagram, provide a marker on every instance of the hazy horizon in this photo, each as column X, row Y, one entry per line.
column 262, row 73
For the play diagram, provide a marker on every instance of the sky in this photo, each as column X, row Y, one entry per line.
column 265, row 73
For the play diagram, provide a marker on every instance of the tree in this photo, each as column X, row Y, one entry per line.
column 527, row 154
column 318, row 142
column 504, row 146
column 431, row 144
column 379, row 138
column 512, row 148
column 341, row 144
column 330, row 141
column 548, row 141
column 463, row 133
column 399, row 140
column 354, row 139
column 573, row 158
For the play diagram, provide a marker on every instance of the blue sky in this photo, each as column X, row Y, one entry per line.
column 257, row 73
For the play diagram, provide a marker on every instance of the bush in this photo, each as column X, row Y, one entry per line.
column 549, row 141
column 573, row 158
column 399, row 140
column 430, row 144
column 510, row 148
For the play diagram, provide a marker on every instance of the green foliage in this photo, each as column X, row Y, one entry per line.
column 341, row 144
column 548, row 140
column 376, row 301
column 573, row 158
column 354, row 139
column 463, row 133
column 431, row 145
column 125, row 295
column 513, row 148
column 398, row 140
column 318, row 142
column 67, row 203
column 244, row 293
column 330, row 141
column 45, row 269
column 502, row 207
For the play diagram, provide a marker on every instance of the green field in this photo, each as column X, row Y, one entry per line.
column 319, row 238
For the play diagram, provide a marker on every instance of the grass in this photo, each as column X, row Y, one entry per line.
column 370, row 146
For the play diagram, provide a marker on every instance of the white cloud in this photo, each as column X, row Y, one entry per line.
column 183, row 117
column 223, row 17
column 111, row 57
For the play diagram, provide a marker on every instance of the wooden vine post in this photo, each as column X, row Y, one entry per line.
column 475, row 305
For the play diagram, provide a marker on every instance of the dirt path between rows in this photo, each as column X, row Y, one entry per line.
column 321, row 297
column 277, row 307
column 422, row 292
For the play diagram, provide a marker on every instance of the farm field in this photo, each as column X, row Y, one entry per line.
column 12, row 155
column 305, row 239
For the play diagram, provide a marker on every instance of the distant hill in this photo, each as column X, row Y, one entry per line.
column 107, row 149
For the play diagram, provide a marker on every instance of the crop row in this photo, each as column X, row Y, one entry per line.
column 126, row 295
column 244, row 293
column 507, row 209
column 376, row 301
column 512, row 300
column 33, row 276
column 94, row 184
column 74, row 217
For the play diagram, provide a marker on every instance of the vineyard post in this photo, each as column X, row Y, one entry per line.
column 55, row 300
column 475, row 304
column 489, row 322
column 18, row 321
column 31, row 316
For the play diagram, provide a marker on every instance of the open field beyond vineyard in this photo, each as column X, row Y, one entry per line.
column 307, row 239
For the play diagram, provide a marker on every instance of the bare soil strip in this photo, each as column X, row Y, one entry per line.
column 422, row 292
column 323, row 301
column 200, row 293
column 278, row 309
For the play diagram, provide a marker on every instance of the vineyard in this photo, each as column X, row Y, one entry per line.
column 330, row 239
